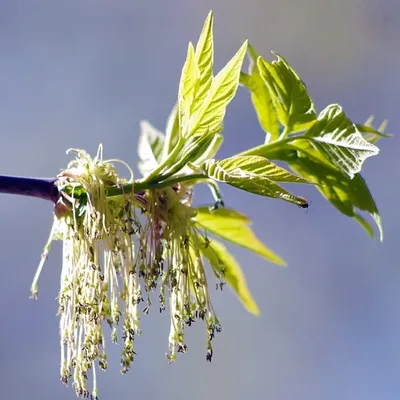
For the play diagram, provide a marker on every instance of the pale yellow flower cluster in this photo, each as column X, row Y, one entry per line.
column 113, row 260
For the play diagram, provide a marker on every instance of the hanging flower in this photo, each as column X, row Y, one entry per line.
column 113, row 261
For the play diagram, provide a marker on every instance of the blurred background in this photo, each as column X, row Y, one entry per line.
column 76, row 73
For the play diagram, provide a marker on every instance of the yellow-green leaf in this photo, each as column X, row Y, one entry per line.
column 171, row 132
column 150, row 147
column 341, row 191
column 187, row 89
column 210, row 115
column 371, row 134
column 224, row 264
column 256, row 175
column 339, row 140
column 234, row 227
column 261, row 98
column 204, row 56
column 294, row 106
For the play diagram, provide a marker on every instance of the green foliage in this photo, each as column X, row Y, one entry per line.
column 234, row 227
column 256, row 175
column 210, row 113
column 293, row 106
column 261, row 98
column 326, row 149
column 346, row 194
column 339, row 140
column 96, row 213
column 150, row 147
column 204, row 59
column 371, row 134
column 226, row 267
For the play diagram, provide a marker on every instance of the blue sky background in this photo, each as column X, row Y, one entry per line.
column 77, row 73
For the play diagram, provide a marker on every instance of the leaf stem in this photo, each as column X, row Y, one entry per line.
column 140, row 186
column 264, row 149
column 166, row 163
column 285, row 133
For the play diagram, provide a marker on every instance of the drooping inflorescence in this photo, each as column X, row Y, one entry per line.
column 113, row 261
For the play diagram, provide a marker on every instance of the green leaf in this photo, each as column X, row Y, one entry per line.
column 204, row 56
column 371, row 134
column 150, row 147
column 253, row 57
column 366, row 225
column 171, row 132
column 256, row 175
column 258, row 166
column 208, row 151
column 235, row 228
column 340, row 141
column 224, row 265
column 200, row 147
column 346, row 194
column 293, row 105
column 188, row 86
column 261, row 98
column 211, row 113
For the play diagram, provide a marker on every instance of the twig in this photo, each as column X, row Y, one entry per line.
column 42, row 188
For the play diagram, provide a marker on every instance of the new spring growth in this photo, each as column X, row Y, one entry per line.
column 129, row 243
column 115, row 263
